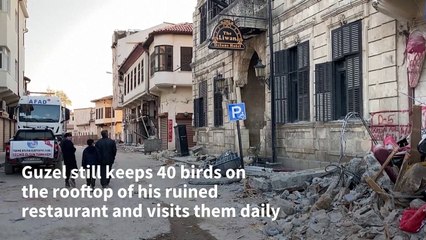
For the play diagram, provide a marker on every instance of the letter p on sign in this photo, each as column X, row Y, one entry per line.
column 236, row 111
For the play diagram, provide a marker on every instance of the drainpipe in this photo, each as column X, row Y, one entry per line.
column 271, row 81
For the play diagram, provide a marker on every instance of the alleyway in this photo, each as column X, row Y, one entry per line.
column 13, row 226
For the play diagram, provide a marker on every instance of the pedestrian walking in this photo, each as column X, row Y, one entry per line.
column 107, row 151
column 68, row 152
column 90, row 161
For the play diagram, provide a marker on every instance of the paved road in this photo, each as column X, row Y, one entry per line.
column 13, row 226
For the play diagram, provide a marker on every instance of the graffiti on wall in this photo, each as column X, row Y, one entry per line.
column 393, row 123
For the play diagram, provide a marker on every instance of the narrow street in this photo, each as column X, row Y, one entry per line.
column 13, row 226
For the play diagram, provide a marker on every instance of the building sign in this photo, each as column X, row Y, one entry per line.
column 227, row 36
column 237, row 111
column 170, row 130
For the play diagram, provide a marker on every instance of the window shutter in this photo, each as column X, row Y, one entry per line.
column 355, row 29
column 281, row 86
column 354, row 93
column 346, row 39
column 303, row 55
column 336, row 43
column 203, row 107
column 303, row 81
column 198, row 112
column 323, row 91
column 277, row 60
column 218, row 110
column 303, row 95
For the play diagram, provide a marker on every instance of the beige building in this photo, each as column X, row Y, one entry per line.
column 106, row 118
column 13, row 84
column 330, row 58
column 156, row 80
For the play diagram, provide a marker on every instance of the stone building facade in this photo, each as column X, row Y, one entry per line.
column 330, row 58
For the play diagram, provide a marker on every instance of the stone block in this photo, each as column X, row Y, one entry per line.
column 294, row 180
column 385, row 30
column 384, row 45
column 260, row 183
column 382, row 75
column 383, row 60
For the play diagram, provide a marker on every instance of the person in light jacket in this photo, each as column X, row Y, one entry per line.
column 107, row 151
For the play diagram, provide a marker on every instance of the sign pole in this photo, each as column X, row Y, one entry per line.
column 237, row 112
column 240, row 145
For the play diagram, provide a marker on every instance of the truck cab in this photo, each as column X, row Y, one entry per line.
column 32, row 147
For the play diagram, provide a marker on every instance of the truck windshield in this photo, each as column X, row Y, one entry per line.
column 39, row 113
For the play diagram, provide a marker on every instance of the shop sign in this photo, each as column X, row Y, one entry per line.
column 226, row 36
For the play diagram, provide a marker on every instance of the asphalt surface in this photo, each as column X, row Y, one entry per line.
column 14, row 226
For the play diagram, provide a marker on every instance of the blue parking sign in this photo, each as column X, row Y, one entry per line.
column 236, row 111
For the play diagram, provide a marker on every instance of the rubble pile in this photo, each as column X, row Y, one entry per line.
column 338, row 205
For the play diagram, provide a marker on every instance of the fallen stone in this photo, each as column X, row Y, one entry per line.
column 287, row 227
column 319, row 222
column 294, row 180
column 335, row 216
column 196, row 149
column 285, row 206
column 367, row 219
column 271, row 229
column 417, row 203
column 260, row 184
column 285, row 194
column 292, row 197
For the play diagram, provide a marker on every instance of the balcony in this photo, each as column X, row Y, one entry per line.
column 402, row 10
column 170, row 79
column 249, row 15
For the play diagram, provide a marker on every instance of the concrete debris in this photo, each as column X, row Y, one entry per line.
column 336, row 203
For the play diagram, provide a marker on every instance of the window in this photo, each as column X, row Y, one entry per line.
column 203, row 23
column 162, row 59
column 200, row 106
column 108, row 112
column 185, row 58
column 142, row 73
column 292, row 84
column 218, row 110
column 338, row 84
column 134, row 77
column 4, row 5
column 125, row 85
column 139, row 74
column 4, row 59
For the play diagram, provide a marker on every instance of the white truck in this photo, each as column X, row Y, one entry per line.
column 32, row 147
column 41, row 112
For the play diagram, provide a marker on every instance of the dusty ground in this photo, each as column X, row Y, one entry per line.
column 13, row 226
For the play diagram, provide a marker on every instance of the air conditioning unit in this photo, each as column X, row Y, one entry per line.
column 3, row 105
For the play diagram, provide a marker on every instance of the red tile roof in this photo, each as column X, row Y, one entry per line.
column 180, row 28
column 177, row 28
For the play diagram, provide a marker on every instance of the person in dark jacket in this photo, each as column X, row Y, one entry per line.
column 107, row 151
column 68, row 152
column 90, row 161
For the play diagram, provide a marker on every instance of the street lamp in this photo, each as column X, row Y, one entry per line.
column 220, row 84
column 259, row 70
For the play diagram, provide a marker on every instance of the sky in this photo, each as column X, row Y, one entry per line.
column 68, row 44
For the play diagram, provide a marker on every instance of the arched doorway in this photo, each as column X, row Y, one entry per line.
column 253, row 95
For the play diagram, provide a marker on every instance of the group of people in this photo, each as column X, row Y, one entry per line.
column 101, row 154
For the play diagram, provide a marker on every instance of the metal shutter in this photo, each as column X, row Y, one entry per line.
column 163, row 133
column 354, row 93
column 323, row 91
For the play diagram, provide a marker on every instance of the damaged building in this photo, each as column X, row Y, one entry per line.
column 333, row 62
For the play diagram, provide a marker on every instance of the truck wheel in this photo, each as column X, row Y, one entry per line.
column 8, row 169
